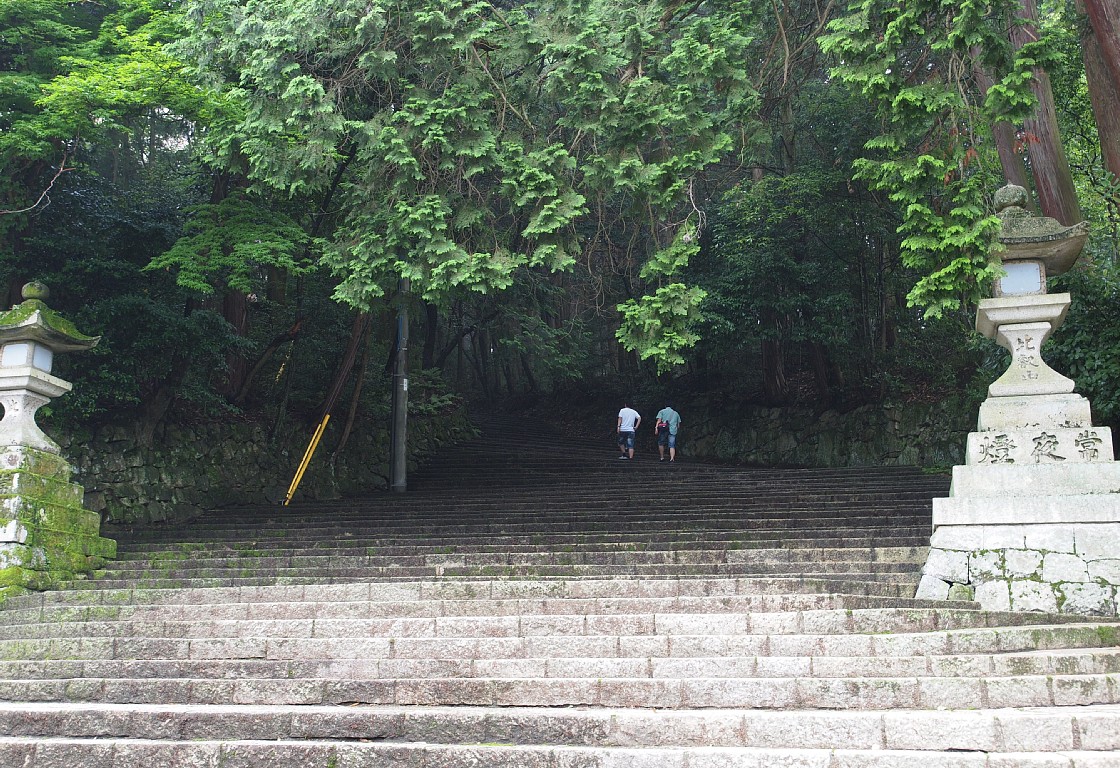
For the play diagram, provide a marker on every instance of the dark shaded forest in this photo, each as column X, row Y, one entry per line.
column 788, row 202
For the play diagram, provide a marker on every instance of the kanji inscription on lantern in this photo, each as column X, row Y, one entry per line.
column 1089, row 445
column 997, row 450
column 1046, row 448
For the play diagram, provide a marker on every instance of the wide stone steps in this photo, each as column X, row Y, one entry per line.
column 540, row 604
column 1008, row 730
column 616, row 555
column 865, row 693
column 420, row 600
column 275, row 550
column 896, row 579
column 1065, row 661
column 114, row 753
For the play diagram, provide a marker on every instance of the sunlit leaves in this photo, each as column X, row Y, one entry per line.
column 228, row 243
column 916, row 60
column 476, row 140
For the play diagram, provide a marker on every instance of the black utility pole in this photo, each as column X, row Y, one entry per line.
column 399, row 432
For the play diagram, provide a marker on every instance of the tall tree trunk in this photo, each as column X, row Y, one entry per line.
column 1053, row 179
column 818, row 355
column 482, row 362
column 356, row 396
column 1105, row 18
column 1014, row 170
column 527, row 369
column 1104, row 88
column 774, row 381
column 431, row 333
column 235, row 309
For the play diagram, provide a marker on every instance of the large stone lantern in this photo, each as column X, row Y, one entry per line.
column 45, row 533
column 1032, row 521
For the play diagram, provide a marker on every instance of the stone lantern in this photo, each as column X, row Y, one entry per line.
column 45, row 533
column 1032, row 521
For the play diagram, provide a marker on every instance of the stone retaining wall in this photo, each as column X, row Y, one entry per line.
column 1067, row 568
column 925, row 434
column 192, row 467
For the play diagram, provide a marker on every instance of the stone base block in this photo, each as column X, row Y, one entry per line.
column 1068, row 568
column 26, row 459
column 20, row 483
column 1039, row 446
column 1041, row 411
column 1049, row 308
column 38, row 514
column 1018, row 480
column 1014, row 510
column 46, row 535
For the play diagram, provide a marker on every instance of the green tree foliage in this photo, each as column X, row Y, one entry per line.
column 916, row 62
column 228, row 242
column 787, row 248
column 471, row 141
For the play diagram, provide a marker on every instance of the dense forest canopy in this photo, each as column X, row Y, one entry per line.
column 788, row 200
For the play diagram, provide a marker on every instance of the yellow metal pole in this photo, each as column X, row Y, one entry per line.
column 307, row 458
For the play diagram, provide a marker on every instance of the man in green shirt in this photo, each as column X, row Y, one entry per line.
column 668, row 421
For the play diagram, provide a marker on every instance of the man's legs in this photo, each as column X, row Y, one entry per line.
column 626, row 442
column 672, row 447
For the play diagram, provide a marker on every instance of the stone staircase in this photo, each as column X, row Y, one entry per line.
column 533, row 602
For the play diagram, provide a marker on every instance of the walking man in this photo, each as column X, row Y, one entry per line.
column 628, row 421
column 668, row 421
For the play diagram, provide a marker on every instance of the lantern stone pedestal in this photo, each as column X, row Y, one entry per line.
column 46, row 535
column 1032, row 522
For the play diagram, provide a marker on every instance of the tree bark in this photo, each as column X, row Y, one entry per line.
column 818, row 355
column 774, row 381
column 1104, row 15
column 431, row 332
column 1014, row 170
column 277, row 342
column 1057, row 197
column 235, row 309
column 1103, row 81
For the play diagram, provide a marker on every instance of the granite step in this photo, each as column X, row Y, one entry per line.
column 871, row 693
column 602, row 639
column 116, row 753
column 271, row 604
column 1088, row 729
column 1063, row 662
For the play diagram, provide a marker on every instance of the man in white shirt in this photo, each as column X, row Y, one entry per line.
column 628, row 421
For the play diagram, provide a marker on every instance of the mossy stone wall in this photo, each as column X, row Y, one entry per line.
column 922, row 434
column 188, row 468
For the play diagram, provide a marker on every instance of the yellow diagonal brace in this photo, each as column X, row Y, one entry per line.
column 307, row 458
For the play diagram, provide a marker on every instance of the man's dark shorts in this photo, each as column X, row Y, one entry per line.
column 664, row 438
column 626, row 439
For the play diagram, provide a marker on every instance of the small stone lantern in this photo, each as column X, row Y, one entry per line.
column 46, row 535
column 1032, row 519
column 1021, row 315
column 30, row 336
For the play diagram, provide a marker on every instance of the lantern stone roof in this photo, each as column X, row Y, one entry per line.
column 33, row 320
column 1025, row 236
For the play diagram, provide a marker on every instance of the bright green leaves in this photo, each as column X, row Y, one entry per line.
column 918, row 60
column 227, row 244
column 472, row 141
column 668, row 261
column 661, row 326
